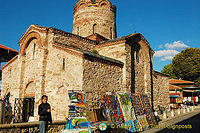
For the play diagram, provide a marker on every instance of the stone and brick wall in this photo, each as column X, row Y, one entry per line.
column 64, row 71
column 161, row 90
column 140, row 56
column 10, row 80
column 142, row 69
column 99, row 77
column 117, row 52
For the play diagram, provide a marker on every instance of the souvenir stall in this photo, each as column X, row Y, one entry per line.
column 148, row 110
column 174, row 100
column 77, row 121
column 191, row 95
column 128, row 112
column 133, row 113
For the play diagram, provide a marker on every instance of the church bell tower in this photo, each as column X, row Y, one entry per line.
column 95, row 16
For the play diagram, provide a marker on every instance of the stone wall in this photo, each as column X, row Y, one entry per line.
column 161, row 90
column 10, row 80
column 100, row 77
column 117, row 52
column 32, row 70
column 142, row 69
column 64, row 72
column 32, row 127
column 138, row 74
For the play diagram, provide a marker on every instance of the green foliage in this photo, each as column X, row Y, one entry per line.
column 185, row 65
column 169, row 71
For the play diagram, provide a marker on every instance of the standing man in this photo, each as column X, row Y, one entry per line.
column 44, row 111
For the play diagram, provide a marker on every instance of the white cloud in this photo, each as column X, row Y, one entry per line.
column 171, row 49
column 175, row 45
column 165, row 53
column 166, row 58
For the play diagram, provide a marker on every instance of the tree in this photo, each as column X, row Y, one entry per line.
column 186, row 65
column 169, row 71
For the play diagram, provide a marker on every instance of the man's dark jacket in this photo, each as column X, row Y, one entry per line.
column 42, row 111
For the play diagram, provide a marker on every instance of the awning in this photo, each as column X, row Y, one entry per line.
column 191, row 88
column 189, row 91
column 174, row 96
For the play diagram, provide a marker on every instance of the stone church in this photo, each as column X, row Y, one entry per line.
column 91, row 59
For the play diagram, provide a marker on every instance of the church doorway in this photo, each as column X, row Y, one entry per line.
column 28, row 108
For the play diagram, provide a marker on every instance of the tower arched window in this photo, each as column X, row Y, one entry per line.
column 94, row 28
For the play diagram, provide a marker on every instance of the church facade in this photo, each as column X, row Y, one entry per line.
column 91, row 59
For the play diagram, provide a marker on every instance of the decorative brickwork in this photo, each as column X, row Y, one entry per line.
column 95, row 17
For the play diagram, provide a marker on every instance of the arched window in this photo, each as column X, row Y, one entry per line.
column 63, row 67
column 103, row 4
column 138, row 57
column 34, row 46
column 94, row 28
column 77, row 30
column 111, row 33
column 30, row 89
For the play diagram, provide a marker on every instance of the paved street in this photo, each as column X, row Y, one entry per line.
column 189, row 125
column 184, row 123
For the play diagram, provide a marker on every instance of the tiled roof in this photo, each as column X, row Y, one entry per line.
column 114, row 41
column 175, row 81
column 57, row 31
column 121, row 38
column 73, row 35
column 97, row 37
column 173, row 87
column 93, row 54
column 4, row 47
column 161, row 73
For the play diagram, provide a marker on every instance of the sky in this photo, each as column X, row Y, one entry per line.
column 169, row 25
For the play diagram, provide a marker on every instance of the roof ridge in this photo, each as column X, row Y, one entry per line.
column 182, row 80
column 65, row 33
column 93, row 54
column 71, row 34
column 4, row 47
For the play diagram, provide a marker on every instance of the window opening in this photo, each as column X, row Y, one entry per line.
column 63, row 64
column 34, row 47
column 77, row 30
column 111, row 33
column 94, row 28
